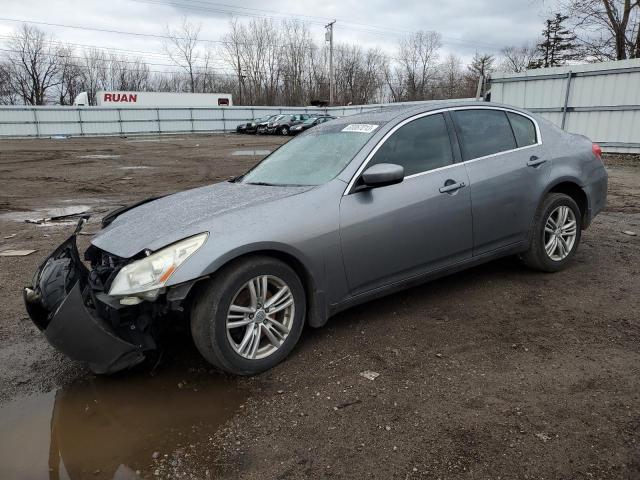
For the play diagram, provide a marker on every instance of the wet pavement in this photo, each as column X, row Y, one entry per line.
column 115, row 427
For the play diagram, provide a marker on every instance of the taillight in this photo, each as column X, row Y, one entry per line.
column 597, row 151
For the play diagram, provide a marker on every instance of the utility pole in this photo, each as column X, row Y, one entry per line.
column 328, row 36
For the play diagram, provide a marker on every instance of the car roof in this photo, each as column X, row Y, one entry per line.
column 401, row 111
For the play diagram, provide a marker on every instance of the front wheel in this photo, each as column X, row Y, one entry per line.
column 250, row 316
column 556, row 234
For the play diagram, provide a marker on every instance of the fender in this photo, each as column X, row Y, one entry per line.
column 551, row 186
column 312, row 276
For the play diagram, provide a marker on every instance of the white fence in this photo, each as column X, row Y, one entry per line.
column 601, row 101
column 28, row 121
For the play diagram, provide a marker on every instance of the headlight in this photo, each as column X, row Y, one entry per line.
column 152, row 273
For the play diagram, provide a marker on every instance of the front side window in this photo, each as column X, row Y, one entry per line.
column 418, row 146
column 310, row 159
column 523, row 129
column 484, row 132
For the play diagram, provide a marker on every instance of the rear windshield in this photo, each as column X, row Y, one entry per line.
column 313, row 158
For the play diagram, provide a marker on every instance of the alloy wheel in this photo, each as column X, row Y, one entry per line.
column 560, row 233
column 260, row 317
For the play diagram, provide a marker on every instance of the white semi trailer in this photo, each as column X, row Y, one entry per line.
column 155, row 99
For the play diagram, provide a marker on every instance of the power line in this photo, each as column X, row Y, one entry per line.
column 203, row 69
column 119, row 32
column 142, row 63
column 151, row 35
column 165, row 37
column 368, row 28
column 111, row 50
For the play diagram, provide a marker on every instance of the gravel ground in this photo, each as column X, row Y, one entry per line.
column 496, row 372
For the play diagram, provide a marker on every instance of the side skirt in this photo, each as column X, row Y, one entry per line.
column 426, row 277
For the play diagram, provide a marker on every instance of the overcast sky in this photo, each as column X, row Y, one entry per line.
column 466, row 25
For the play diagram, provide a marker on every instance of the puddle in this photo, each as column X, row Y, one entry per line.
column 107, row 428
column 99, row 156
column 250, row 153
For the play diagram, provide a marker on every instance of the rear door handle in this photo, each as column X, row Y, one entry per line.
column 535, row 161
column 452, row 187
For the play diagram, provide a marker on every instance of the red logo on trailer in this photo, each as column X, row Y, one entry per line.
column 121, row 97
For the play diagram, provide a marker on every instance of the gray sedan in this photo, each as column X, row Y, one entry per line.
column 349, row 211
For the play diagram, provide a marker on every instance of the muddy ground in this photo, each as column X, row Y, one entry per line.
column 497, row 372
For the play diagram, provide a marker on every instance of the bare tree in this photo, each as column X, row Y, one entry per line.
column 33, row 64
column 607, row 29
column 182, row 49
column 7, row 94
column 416, row 64
column 232, row 51
column 94, row 64
column 70, row 77
column 318, row 73
column 126, row 73
column 452, row 78
column 272, row 62
column 517, row 59
column 294, row 62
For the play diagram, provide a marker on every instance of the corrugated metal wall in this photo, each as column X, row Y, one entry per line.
column 26, row 121
column 601, row 101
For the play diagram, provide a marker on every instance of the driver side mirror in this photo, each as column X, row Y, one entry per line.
column 381, row 175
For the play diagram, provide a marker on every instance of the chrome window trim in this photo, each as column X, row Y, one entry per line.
column 366, row 161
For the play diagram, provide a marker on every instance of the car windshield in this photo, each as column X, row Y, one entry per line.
column 313, row 158
column 310, row 120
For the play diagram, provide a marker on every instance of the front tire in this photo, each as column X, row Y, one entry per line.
column 556, row 234
column 250, row 316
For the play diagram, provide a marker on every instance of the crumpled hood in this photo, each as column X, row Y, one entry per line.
column 169, row 219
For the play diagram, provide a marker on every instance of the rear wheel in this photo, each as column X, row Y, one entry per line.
column 284, row 131
column 556, row 234
column 250, row 316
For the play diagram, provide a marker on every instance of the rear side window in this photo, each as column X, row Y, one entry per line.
column 523, row 129
column 484, row 132
column 418, row 146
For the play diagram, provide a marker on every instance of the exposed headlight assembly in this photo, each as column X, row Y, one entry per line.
column 144, row 278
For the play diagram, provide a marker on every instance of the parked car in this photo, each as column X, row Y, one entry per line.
column 308, row 123
column 261, row 127
column 283, row 124
column 252, row 126
column 348, row 211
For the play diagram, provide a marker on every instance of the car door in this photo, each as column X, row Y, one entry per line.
column 422, row 224
column 507, row 174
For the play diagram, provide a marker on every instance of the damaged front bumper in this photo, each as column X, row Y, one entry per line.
column 67, row 302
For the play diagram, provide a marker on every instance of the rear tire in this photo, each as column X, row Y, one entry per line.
column 556, row 234
column 214, row 320
column 284, row 131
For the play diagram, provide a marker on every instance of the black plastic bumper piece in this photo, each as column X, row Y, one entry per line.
column 82, row 336
column 57, row 303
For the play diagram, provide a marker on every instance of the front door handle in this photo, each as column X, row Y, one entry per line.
column 535, row 161
column 451, row 186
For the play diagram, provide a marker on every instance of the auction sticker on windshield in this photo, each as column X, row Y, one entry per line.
column 360, row 128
